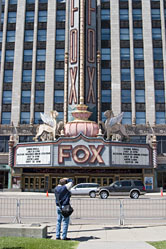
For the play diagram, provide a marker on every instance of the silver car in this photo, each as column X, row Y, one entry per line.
column 85, row 189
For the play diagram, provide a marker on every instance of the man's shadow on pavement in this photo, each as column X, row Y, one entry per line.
column 85, row 238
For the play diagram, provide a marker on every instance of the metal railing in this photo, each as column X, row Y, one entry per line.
column 119, row 211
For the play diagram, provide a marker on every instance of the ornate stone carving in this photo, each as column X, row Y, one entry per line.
column 50, row 129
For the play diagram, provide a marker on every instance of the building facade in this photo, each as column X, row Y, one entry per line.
column 107, row 54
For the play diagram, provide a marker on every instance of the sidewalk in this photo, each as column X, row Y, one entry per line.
column 113, row 237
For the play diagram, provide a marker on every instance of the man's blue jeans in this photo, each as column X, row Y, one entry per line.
column 65, row 221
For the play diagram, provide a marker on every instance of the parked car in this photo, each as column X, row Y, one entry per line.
column 133, row 188
column 85, row 189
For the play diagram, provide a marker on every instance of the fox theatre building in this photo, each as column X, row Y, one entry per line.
column 85, row 149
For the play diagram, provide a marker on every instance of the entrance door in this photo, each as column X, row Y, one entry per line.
column 34, row 183
column 102, row 181
column 81, row 179
column 3, row 179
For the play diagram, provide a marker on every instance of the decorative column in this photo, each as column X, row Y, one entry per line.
column 154, row 147
column 10, row 157
column 82, row 52
column 66, row 88
column 98, row 87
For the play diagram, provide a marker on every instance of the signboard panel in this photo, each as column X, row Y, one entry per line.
column 125, row 155
column 81, row 153
column 33, row 155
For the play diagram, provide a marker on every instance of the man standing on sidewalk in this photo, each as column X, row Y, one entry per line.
column 63, row 191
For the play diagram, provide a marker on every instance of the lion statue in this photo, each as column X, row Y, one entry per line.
column 50, row 129
column 112, row 126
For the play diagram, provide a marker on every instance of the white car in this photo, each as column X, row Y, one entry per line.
column 85, row 189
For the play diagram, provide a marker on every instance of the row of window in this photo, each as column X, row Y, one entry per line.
column 106, row 96
column 126, row 75
column 140, row 117
column 27, row 75
column 105, row 75
column 39, row 97
column 139, row 96
column 25, row 117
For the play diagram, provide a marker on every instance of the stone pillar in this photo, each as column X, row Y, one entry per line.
column 148, row 62
column 10, row 158
column 98, row 87
column 115, row 57
column 154, row 147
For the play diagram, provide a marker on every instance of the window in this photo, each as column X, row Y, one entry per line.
column 26, row 97
column 106, row 74
column 124, row 14
column 4, row 147
column 155, row 14
column 27, row 75
column 156, row 33
column 41, row 35
column 159, row 96
column 138, row 54
column 41, row 54
column 9, row 56
column 28, row 36
column 60, row 34
column 106, row 96
column 60, row 53
column 58, row 96
column 158, row 74
column 139, row 74
column 105, row 34
column 1, row 34
column 39, row 96
column 30, row 1
column 140, row 118
column 126, row 96
column 137, row 33
column 25, row 118
column 124, row 34
column 2, row 17
column 105, row 54
column 137, row 14
column 13, row 2
column 7, row 97
column 25, row 139
column 125, row 53
column 29, row 16
column 140, row 96
column 28, row 55
column 157, row 54
column 138, row 139
column 40, row 75
column 8, row 76
column 160, row 118
column 105, row 14
column 60, row 15
column 42, row 16
column 126, row 118
column 59, row 75
column 12, row 17
column 10, row 37
column 125, row 74
column 37, row 118
column 6, row 116
column 161, row 144
column 43, row 1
